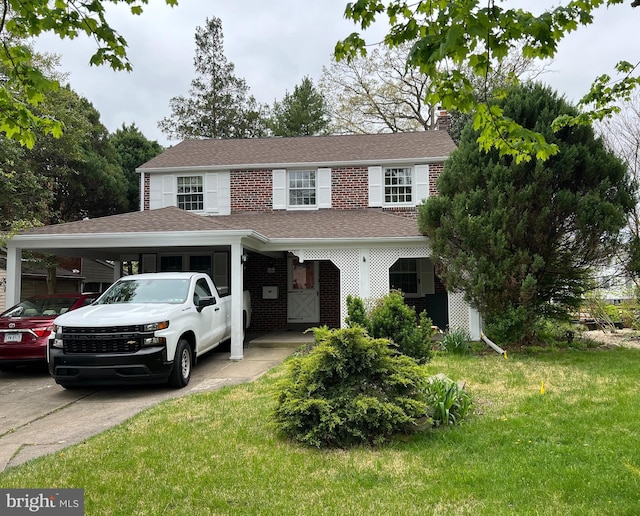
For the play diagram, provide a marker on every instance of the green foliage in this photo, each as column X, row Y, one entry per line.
column 65, row 178
column 448, row 402
column 356, row 312
column 301, row 113
column 456, row 341
column 350, row 389
column 24, row 84
column 509, row 326
column 219, row 104
column 524, row 236
column 391, row 318
column 132, row 150
column 613, row 312
column 450, row 36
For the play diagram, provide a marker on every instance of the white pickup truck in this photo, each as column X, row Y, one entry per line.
column 144, row 328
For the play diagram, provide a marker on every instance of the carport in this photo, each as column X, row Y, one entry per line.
column 129, row 236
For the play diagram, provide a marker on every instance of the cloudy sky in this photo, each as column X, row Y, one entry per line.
column 273, row 45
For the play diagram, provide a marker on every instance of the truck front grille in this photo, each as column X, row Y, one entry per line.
column 111, row 339
column 102, row 346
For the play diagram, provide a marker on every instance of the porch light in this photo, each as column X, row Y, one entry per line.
column 244, row 258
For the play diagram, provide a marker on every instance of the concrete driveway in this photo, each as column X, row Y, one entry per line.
column 38, row 417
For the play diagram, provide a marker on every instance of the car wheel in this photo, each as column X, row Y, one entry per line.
column 182, row 363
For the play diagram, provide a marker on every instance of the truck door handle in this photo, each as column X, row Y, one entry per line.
column 217, row 309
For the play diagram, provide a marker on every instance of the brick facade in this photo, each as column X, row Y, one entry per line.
column 434, row 173
column 271, row 314
column 252, row 190
column 147, row 191
column 349, row 188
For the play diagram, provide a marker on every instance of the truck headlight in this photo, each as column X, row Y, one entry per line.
column 154, row 341
column 156, row 326
column 56, row 342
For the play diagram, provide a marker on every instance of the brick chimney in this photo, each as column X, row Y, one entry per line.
column 443, row 123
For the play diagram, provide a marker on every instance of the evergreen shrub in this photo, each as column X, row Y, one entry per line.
column 391, row 318
column 351, row 389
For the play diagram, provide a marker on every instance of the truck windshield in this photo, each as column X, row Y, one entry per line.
column 163, row 290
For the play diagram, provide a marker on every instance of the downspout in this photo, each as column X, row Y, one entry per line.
column 492, row 345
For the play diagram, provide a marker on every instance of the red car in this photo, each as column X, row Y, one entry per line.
column 25, row 328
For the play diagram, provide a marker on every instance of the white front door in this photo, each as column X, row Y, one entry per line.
column 303, row 292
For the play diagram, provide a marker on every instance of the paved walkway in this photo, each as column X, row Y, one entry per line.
column 38, row 417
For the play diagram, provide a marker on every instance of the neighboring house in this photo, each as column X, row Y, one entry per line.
column 34, row 282
column 300, row 222
column 75, row 275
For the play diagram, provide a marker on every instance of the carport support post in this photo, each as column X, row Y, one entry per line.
column 237, row 287
column 14, row 276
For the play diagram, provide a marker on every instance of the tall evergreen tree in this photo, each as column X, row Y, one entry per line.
column 132, row 150
column 219, row 104
column 301, row 113
column 521, row 238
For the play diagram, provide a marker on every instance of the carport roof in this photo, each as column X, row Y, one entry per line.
column 313, row 225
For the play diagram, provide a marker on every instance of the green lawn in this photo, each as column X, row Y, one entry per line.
column 573, row 450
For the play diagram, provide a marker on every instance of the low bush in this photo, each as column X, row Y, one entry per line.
column 351, row 389
column 391, row 318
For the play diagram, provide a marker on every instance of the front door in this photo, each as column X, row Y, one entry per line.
column 303, row 296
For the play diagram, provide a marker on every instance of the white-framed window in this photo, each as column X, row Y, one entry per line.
column 190, row 193
column 302, row 188
column 398, row 185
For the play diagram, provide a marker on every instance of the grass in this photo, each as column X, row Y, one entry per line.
column 573, row 450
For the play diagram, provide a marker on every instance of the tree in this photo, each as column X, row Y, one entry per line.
column 622, row 135
column 379, row 92
column 301, row 113
column 23, row 85
column 132, row 150
column 219, row 105
column 24, row 196
column 80, row 167
column 449, row 36
column 520, row 238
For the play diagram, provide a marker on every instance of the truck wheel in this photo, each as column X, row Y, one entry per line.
column 182, row 362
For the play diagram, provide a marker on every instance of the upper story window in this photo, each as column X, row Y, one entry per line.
column 398, row 185
column 302, row 188
column 190, row 193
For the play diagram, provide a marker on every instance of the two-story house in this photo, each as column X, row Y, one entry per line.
column 300, row 222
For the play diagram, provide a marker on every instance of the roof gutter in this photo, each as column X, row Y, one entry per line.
column 314, row 164
column 131, row 239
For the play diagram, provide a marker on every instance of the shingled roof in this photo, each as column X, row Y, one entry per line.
column 354, row 148
column 313, row 225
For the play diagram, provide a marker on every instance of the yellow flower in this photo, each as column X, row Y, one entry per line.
column 542, row 388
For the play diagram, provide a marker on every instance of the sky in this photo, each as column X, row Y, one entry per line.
column 273, row 45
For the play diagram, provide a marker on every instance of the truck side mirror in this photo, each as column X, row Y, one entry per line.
column 205, row 301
